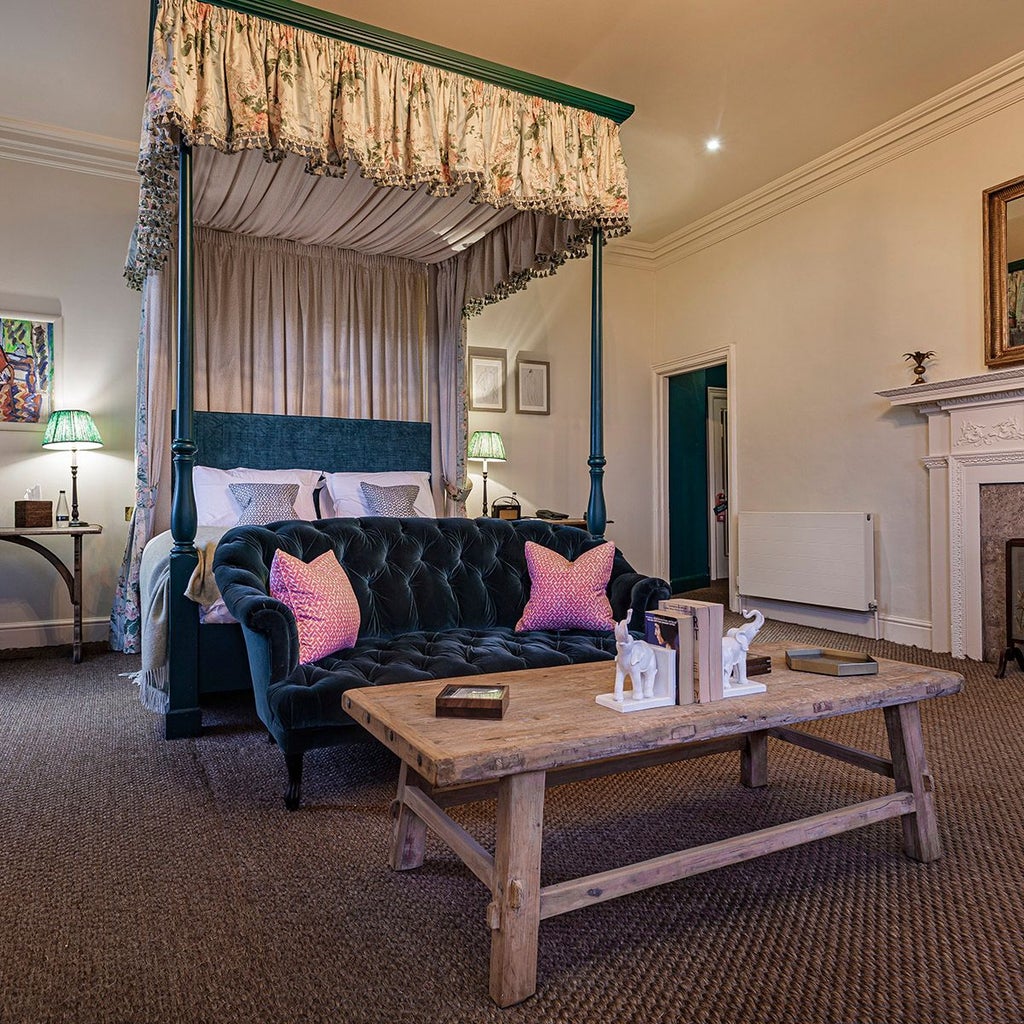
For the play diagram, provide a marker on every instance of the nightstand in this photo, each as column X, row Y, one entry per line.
column 22, row 535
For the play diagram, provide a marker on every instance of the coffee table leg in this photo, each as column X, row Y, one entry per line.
column 409, row 833
column 754, row 760
column 515, row 911
column 910, row 768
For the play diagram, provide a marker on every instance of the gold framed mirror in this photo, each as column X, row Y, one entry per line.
column 1004, row 273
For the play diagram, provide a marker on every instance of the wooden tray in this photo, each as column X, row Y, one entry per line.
column 828, row 661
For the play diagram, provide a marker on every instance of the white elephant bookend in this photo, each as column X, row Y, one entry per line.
column 735, row 645
column 650, row 669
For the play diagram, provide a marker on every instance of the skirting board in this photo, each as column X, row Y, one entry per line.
column 50, row 633
column 897, row 630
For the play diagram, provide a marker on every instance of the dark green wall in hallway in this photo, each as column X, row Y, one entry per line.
column 688, row 476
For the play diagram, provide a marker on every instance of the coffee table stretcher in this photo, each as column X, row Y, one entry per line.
column 512, row 875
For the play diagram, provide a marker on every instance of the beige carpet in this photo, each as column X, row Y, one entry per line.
column 148, row 882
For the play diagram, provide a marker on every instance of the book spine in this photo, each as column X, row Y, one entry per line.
column 709, row 619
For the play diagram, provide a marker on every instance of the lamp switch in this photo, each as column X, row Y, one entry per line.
column 128, row 513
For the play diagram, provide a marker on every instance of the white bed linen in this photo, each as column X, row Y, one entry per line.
column 342, row 494
column 216, row 506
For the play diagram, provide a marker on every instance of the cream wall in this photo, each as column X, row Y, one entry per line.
column 821, row 302
column 65, row 235
column 547, row 455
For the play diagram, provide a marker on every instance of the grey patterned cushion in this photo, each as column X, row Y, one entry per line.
column 390, row 501
column 265, row 503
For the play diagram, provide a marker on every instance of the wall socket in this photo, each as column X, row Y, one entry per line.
column 128, row 510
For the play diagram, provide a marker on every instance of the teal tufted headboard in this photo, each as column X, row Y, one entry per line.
column 225, row 440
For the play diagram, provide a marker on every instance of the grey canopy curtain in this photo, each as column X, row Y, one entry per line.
column 309, row 330
column 287, row 328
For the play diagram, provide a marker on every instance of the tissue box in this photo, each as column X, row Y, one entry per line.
column 33, row 513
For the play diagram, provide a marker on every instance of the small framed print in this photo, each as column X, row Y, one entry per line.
column 487, row 371
column 29, row 352
column 471, row 700
column 533, row 387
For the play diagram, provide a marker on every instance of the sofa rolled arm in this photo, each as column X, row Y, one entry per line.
column 632, row 591
column 274, row 621
column 240, row 567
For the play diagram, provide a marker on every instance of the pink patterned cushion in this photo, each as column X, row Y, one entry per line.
column 321, row 599
column 568, row 595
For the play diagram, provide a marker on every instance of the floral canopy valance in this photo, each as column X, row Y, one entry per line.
column 236, row 82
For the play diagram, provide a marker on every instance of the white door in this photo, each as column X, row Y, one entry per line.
column 718, row 483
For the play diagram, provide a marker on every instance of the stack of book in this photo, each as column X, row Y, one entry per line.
column 706, row 625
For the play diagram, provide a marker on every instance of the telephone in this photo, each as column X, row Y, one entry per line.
column 546, row 513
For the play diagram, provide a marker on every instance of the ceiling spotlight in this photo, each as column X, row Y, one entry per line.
column 713, row 144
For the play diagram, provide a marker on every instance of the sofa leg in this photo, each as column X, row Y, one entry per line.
column 294, row 794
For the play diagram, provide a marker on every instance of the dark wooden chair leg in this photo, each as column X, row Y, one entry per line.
column 1014, row 652
column 294, row 795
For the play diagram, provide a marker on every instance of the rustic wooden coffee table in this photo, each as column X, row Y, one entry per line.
column 553, row 733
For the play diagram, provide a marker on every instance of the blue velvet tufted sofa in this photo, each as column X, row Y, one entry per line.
column 437, row 598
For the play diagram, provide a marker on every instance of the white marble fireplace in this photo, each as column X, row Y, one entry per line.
column 975, row 438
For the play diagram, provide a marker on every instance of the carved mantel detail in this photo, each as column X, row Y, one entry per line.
column 974, row 434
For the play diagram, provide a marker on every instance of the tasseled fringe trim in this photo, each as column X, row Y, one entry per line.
column 152, row 685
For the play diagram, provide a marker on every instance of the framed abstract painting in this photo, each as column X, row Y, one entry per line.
column 29, row 353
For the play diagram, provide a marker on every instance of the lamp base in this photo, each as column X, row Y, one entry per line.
column 77, row 522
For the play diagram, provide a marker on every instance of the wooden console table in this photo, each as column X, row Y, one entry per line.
column 553, row 732
column 23, row 535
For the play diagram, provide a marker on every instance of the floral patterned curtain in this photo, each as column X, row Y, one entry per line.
column 235, row 81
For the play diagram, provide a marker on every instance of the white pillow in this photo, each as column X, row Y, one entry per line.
column 216, row 507
column 342, row 495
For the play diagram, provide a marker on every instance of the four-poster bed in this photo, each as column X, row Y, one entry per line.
column 327, row 152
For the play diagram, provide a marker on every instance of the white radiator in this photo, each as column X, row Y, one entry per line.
column 820, row 558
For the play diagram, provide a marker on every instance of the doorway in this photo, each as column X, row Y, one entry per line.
column 697, row 474
column 718, row 483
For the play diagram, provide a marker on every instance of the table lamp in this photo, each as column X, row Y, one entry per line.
column 69, row 430
column 486, row 446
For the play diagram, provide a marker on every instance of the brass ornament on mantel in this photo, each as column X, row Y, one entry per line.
column 919, row 360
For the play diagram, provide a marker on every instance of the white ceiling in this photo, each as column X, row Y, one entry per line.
column 782, row 83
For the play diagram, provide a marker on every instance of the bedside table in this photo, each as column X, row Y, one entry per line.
column 22, row 535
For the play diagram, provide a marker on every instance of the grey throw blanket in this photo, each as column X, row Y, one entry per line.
column 154, row 583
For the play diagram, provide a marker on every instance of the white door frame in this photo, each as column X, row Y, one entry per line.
column 662, row 371
column 717, row 399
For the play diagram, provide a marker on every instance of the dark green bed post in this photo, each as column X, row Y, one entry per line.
column 183, row 715
column 597, row 515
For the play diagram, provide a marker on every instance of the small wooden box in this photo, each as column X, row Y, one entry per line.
column 33, row 513
column 758, row 664
column 471, row 700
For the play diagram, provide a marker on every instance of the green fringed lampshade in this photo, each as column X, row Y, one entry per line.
column 68, row 429
column 486, row 445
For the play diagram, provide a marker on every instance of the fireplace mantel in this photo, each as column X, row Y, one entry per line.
column 975, row 437
column 987, row 387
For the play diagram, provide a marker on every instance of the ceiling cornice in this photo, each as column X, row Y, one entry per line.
column 67, row 149
column 970, row 101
